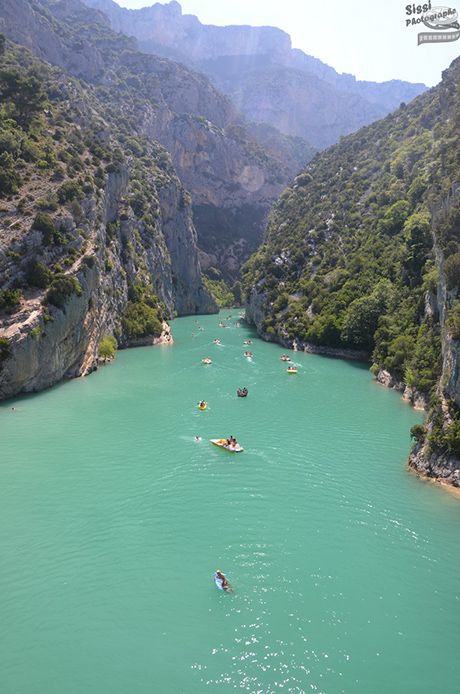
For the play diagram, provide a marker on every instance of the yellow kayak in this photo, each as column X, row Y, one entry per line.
column 222, row 443
column 202, row 406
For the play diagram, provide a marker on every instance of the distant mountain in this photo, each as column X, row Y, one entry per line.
column 267, row 80
column 226, row 168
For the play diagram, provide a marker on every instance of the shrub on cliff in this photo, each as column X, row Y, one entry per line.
column 70, row 190
column 5, row 349
column 394, row 218
column 22, row 93
column 44, row 223
column 220, row 292
column 107, row 347
column 10, row 300
column 445, row 439
column 452, row 271
column 141, row 320
column 61, row 289
column 417, row 432
column 9, row 179
column 38, row 275
column 143, row 315
column 453, row 321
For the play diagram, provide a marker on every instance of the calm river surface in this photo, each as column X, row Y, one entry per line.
column 346, row 568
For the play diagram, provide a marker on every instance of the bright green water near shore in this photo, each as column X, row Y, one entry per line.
column 346, row 568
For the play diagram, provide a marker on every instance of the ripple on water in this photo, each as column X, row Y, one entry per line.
column 113, row 520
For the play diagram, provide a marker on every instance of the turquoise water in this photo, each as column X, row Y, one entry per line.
column 113, row 519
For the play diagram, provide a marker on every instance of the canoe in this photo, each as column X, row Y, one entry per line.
column 222, row 443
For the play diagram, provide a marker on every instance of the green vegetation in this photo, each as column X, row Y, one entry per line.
column 5, row 349
column 23, row 94
column 69, row 191
column 143, row 315
column 38, row 275
column 349, row 253
column 444, row 437
column 10, row 300
column 358, row 247
column 220, row 292
column 61, row 289
column 453, row 321
column 418, row 432
column 40, row 142
column 44, row 223
column 452, row 271
column 107, row 347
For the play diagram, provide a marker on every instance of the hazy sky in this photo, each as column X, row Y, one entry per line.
column 366, row 38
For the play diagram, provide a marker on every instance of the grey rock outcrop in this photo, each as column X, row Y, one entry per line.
column 102, row 247
column 46, row 347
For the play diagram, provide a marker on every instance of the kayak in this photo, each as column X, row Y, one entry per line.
column 292, row 370
column 203, row 407
column 222, row 443
column 219, row 585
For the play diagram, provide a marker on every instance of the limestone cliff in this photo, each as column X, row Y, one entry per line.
column 436, row 453
column 97, row 232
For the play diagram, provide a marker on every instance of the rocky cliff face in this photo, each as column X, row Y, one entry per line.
column 436, row 454
column 47, row 343
column 97, row 232
column 267, row 80
column 214, row 154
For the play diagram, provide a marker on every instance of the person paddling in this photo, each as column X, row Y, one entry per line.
column 223, row 580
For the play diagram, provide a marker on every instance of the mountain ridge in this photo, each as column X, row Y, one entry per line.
column 344, row 102
column 214, row 154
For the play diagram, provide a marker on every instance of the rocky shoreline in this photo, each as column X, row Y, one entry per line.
column 410, row 394
column 427, row 465
column 166, row 338
column 436, row 468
